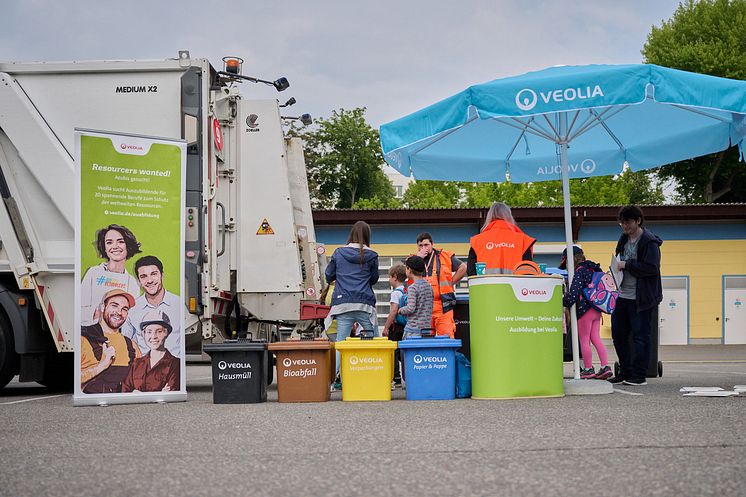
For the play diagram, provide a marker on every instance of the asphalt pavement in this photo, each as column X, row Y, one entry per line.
column 637, row 441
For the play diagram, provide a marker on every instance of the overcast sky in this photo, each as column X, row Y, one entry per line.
column 392, row 57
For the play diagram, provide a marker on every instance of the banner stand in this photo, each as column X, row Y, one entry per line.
column 129, row 269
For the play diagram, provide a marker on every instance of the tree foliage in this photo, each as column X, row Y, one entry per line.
column 344, row 161
column 628, row 187
column 709, row 37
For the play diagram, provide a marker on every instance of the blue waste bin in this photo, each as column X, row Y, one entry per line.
column 430, row 367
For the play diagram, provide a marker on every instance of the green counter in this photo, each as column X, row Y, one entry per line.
column 516, row 336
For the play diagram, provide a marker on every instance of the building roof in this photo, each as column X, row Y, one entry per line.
column 696, row 212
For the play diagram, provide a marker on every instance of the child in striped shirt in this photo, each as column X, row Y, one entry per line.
column 419, row 308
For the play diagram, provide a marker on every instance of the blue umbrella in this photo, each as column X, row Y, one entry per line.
column 569, row 122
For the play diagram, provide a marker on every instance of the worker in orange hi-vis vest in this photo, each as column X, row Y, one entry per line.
column 500, row 244
column 443, row 270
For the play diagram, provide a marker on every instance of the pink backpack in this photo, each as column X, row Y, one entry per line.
column 601, row 293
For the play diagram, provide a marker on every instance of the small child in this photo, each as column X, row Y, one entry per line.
column 393, row 328
column 419, row 308
column 589, row 318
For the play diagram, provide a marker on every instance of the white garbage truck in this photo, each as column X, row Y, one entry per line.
column 243, row 177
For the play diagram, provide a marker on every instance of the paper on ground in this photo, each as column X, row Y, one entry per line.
column 724, row 393
column 700, row 389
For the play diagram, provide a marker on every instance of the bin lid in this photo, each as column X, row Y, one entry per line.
column 234, row 346
column 315, row 344
column 441, row 341
column 370, row 343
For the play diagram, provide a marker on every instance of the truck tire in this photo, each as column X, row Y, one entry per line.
column 8, row 356
column 58, row 371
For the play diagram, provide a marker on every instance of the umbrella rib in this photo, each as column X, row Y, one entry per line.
column 611, row 134
column 596, row 120
column 556, row 134
column 523, row 127
column 700, row 112
column 515, row 145
column 446, row 133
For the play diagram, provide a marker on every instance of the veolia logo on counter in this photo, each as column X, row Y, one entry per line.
column 534, row 289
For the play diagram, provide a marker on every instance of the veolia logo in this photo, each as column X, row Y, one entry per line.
column 526, row 99
column 418, row 359
column 124, row 146
column 354, row 360
column 287, row 362
column 492, row 245
column 233, row 365
column 251, row 121
column 587, row 166
column 527, row 291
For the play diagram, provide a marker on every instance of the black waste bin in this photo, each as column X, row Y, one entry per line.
column 239, row 371
column 461, row 317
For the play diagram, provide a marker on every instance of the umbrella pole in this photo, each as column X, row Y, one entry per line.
column 568, row 237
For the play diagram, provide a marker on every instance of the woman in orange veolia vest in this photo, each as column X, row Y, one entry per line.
column 501, row 244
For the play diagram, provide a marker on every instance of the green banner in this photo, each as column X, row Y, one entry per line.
column 516, row 336
column 130, row 242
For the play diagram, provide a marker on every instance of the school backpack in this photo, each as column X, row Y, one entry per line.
column 401, row 319
column 601, row 293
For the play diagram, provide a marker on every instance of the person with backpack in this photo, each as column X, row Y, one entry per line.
column 589, row 317
column 395, row 322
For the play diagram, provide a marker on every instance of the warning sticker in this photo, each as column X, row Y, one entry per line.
column 265, row 228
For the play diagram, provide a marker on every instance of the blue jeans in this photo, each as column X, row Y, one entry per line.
column 345, row 322
column 633, row 340
column 411, row 331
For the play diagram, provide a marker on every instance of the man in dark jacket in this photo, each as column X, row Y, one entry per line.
column 639, row 293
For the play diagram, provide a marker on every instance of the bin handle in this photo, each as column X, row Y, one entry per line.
column 366, row 334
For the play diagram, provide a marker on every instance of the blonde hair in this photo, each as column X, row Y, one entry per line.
column 498, row 210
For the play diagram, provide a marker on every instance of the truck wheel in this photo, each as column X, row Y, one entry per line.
column 8, row 356
column 58, row 371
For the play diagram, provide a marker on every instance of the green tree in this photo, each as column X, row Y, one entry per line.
column 628, row 187
column 344, row 161
column 709, row 37
column 426, row 194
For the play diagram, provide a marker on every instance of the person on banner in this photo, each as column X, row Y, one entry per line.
column 354, row 270
column 443, row 270
column 589, row 318
column 158, row 370
column 149, row 271
column 117, row 244
column 501, row 244
column 640, row 292
column 105, row 354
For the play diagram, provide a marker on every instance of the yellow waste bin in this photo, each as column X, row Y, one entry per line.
column 366, row 368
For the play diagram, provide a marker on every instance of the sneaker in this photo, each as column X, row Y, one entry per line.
column 635, row 383
column 616, row 379
column 604, row 373
column 337, row 385
column 587, row 374
column 397, row 382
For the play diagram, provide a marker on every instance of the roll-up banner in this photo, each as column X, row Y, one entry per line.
column 129, row 240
